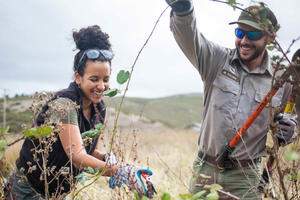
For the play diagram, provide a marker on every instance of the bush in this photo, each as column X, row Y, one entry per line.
column 15, row 120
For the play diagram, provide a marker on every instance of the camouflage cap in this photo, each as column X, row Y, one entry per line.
column 258, row 18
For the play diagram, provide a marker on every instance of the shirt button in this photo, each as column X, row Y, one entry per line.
column 239, row 110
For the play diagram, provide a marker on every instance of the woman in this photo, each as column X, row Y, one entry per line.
column 47, row 166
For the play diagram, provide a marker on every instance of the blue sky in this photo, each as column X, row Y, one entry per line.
column 37, row 49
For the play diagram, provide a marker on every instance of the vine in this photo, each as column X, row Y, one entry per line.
column 125, row 77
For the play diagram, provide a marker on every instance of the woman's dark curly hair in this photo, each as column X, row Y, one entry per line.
column 91, row 37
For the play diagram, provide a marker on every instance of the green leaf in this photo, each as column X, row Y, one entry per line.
column 232, row 3
column 45, row 130
column 3, row 144
column 145, row 198
column 97, row 170
column 185, row 196
column 204, row 176
column 111, row 92
column 212, row 196
column 100, row 126
column 38, row 132
column 292, row 155
column 93, row 132
column 295, row 177
column 136, row 195
column 166, row 196
column 275, row 58
column 122, row 76
column 4, row 131
column 31, row 133
column 91, row 170
column 1, row 154
column 80, row 176
column 271, row 48
column 87, row 133
column 213, row 187
column 198, row 195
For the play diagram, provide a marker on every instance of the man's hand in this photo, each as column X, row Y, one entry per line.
column 181, row 7
column 131, row 176
column 286, row 134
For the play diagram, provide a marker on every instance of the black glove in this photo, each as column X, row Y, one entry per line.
column 181, row 7
column 286, row 134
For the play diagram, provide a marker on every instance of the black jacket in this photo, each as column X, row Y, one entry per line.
column 57, row 157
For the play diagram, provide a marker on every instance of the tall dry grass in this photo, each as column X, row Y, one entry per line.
column 169, row 154
column 10, row 155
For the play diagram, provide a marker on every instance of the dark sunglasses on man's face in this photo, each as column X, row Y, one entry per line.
column 94, row 54
column 251, row 35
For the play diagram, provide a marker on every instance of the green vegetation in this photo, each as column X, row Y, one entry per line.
column 94, row 132
column 15, row 120
column 15, row 98
column 176, row 111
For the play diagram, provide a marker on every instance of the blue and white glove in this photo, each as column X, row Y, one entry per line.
column 181, row 7
column 131, row 176
column 287, row 133
column 110, row 159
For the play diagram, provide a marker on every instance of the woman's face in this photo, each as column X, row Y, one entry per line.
column 94, row 81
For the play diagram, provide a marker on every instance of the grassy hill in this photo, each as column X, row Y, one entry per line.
column 17, row 113
column 177, row 111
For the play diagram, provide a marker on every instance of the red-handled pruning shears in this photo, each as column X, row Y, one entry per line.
column 229, row 147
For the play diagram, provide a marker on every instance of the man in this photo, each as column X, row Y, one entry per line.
column 235, row 82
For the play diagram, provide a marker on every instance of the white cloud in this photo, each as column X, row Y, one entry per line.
column 36, row 41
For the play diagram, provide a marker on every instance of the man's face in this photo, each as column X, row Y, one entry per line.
column 248, row 50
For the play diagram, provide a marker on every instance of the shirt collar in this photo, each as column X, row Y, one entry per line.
column 265, row 67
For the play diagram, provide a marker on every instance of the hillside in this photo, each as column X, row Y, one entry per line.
column 179, row 111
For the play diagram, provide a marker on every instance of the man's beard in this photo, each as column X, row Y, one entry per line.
column 258, row 52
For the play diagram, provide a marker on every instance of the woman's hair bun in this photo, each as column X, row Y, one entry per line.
column 91, row 37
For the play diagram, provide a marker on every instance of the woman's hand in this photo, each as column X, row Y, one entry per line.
column 131, row 176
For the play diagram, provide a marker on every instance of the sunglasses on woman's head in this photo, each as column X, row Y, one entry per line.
column 251, row 35
column 94, row 54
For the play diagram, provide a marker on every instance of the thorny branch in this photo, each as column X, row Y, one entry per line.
column 273, row 128
column 129, row 79
column 17, row 140
column 228, row 194
column 127, row 86
column 123, row 96
column 226, row 2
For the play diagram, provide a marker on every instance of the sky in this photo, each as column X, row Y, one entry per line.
column 37, row 48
